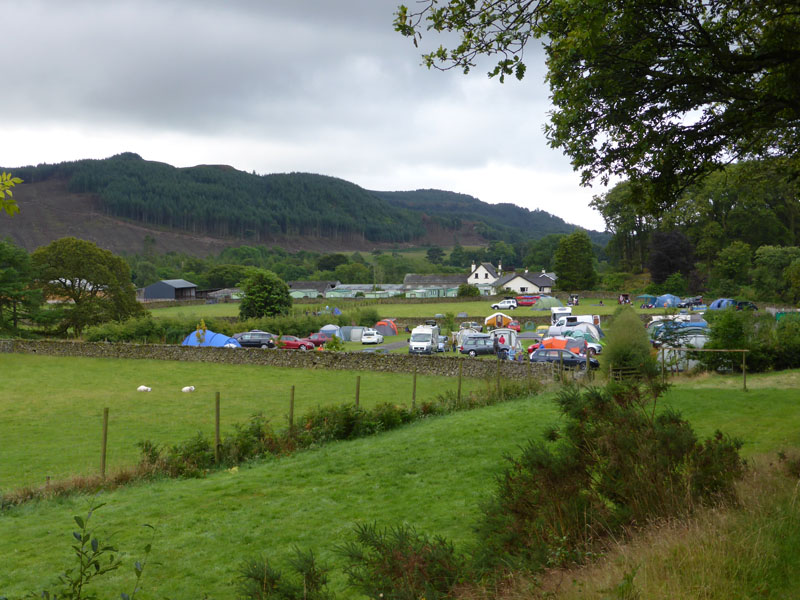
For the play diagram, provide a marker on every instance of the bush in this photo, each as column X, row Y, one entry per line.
column 260, row 580
column 614, row 463
column 399, row 563
column 741, row 330
column 628, row 345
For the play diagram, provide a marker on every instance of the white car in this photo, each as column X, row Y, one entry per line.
column 506, row 304
column 371, row 336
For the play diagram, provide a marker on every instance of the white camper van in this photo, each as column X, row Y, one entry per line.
column 424, row 339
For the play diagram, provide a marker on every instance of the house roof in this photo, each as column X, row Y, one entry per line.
column 178, row 283
column 412, row 280
column 537, row 279
column 320, row 286
column 489, row 267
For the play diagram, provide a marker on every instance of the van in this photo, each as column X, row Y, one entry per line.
column 424, row 339
column 567, row 322
column 557, row 312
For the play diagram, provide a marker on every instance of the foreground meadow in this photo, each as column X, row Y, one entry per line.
column 432, row 474
column 51, row 408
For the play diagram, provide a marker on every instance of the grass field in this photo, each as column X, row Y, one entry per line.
column 432, row 474
column 478, row 309
column 51, row 407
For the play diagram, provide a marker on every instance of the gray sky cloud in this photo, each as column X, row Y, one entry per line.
column 284, row 85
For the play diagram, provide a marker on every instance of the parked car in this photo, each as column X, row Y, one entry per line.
column 527, row 300
column 238, row 336
column 471, row 325
column 475, row 345
column 371, row 336
column 557, row 355
column 442, row 347
column 290, row 342
column 505, row 304
column 689, row 302
column 746, row 305
column 320, row 338
column 256, row 339
column 515, row 325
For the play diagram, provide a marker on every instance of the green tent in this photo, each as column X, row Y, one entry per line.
column 545, row 302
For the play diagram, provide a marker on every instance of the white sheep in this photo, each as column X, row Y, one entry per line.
column 188, row 388
column 144, row 388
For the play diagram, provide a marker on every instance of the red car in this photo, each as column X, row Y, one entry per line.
column 515, row 326
column 289, row 342
column 319, row 338
column 527, row 300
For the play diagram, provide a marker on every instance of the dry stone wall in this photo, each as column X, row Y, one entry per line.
column 350, row 361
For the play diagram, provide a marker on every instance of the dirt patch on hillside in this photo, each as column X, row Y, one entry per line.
column 48, row 211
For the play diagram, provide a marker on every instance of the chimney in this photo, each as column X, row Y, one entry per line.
column 500, row 268
column 526, row 271
column 472, row 268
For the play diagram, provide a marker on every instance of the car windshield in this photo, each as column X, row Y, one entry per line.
column 421, row 337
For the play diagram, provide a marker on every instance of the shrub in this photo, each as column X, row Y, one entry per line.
column 741, row 330
column 614, row 463
column 399, row 563
column 260, row 580
column 628, row 345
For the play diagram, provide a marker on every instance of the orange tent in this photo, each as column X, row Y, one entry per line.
column 573, row 345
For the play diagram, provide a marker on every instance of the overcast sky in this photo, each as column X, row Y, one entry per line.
column 275, row 86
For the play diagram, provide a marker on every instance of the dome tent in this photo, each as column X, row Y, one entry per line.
column 332, row 329
column 667, row 301
column 545, row 302
column 216, row 340
column 721, row 303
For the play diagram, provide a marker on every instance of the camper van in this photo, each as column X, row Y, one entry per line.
column 567, row 322
column 559, row 311
column 424, row 339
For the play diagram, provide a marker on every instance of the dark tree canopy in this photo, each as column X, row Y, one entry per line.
column 574, row 262
column 97, row 283
column 265, row 295
column 670, row 252
column 659, row 90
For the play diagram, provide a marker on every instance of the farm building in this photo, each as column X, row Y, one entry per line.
column 170, row 289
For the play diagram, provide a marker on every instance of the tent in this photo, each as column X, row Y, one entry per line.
column 216, row 340
column 571, row 344
column 497, row 320
column 721, row 303
column 351, row 333
column 590, row 328
column 646, row 298
column 386, row 327
column 667, row 301
column 332, row 329
column 545, row 302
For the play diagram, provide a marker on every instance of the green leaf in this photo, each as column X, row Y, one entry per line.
column 79, row 521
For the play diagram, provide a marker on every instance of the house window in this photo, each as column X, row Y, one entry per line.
column 486, row 276
column 476, row 275
column 523, row 289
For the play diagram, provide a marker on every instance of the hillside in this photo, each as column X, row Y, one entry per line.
column 116, row 202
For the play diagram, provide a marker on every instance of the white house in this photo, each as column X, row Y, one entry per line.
column 525, row 283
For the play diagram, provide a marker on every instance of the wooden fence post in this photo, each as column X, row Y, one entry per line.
column 460, row 365
column 499, row 391
column 217, row 443
column 105, row 443
column 291, row 411
column 663, row 367
column 358, row 389
column 414, row 391
column 744, row 371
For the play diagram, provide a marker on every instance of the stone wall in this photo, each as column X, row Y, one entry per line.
column 351, row 361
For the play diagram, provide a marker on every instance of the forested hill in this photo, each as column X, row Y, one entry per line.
column 222, row 202
column 507, row 222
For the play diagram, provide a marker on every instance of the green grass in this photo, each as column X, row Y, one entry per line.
column 477, row 309
column 51, row 407
column 432, row 474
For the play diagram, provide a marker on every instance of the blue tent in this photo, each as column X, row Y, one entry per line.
column 668, row 300
column 721, row 303
column 216, row 340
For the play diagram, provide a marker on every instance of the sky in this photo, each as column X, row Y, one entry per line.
column 276, row 86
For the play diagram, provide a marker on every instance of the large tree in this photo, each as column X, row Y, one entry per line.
column 574, row 262
column 95, row 284
column 18, row 297
column 265, row 295
column 659, row 90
